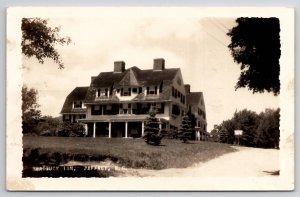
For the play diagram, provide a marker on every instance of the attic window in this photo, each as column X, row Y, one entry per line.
column 102, row 92
column 77, row 104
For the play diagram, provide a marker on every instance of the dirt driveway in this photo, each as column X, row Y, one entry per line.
column 244, row 162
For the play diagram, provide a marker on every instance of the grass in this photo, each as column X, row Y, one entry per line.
column 130, row 153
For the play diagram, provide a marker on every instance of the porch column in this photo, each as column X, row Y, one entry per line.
column 109, row 129
column 94, row 130
column 159, row 124
column 143, row 127
column 85, row 129
column 126, row 129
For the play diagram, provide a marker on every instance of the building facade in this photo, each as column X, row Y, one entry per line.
column 116, row 104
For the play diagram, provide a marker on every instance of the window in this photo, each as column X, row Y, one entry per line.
column 102, row 92
column 140, row 89
column 155, row 90
column 126, row 92
column 134, row 90
column 77, row 104
column 96, row 110
column 175, row 110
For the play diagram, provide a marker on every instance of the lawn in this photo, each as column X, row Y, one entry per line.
column 130, row 153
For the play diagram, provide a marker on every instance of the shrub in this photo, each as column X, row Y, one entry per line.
column 69, row 129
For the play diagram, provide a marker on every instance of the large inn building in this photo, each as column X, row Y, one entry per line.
column 116, row 104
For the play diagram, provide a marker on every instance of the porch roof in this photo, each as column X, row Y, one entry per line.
column 120, row 118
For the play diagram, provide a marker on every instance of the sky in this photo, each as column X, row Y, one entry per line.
column 198, row 46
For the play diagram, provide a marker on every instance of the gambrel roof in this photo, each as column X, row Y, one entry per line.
column 78, row 94
column 143, row 77
column 133, row 77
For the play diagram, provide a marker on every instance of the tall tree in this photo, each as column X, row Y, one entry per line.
column 30, row 112
column 247, row 121
column 186, row 129
column 267, row 133
column 39, row 40
column 255, row 44
column 152, row 132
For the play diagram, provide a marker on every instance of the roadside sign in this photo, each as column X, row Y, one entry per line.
column 238, row 132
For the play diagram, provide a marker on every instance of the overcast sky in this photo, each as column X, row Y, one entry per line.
column 196, row 45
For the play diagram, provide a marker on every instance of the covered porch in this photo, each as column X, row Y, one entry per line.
column 124, row 127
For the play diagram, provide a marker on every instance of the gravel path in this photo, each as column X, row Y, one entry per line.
column 245, row 162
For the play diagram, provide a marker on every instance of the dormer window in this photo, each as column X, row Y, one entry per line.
column 125, row 91
column 77, row 104
column 102, row 92
column 152, row 90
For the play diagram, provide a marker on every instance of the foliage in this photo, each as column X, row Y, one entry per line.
column 69, row 129
column 39, row 40
column 152, row 134
column 258, row 130
column 185, row 132
column 255, row 44
column 48, row 125
column 30, row 112
column 267, row 134
column 247, row 121
column 215, row 136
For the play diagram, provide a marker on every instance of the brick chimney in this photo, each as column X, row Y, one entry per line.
column 187, row 88
column 119, row 67
column 159, row 64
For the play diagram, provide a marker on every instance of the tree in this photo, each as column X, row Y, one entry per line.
column 247, row 121
column 185, row 132
column 48, row 125
column 152, row 132
column 255, row 44
column 227, row 131
column 39, row 40
column 267, row 133
column 30, row 112
column 193, row 120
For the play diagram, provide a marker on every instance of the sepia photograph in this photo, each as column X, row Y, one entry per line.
column 150, row 98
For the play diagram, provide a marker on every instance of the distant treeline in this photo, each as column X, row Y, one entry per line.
column 259, row 130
